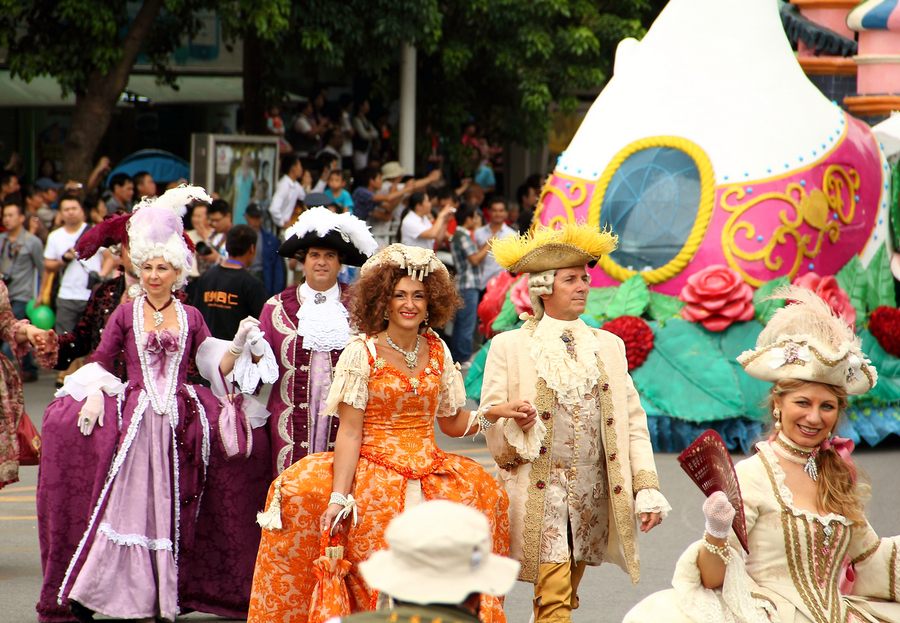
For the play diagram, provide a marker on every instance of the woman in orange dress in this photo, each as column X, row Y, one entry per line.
column 390, row 384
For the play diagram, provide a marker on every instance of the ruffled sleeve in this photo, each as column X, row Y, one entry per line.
column 876, row 564
column 351, row 377
column 90, row 378
column 452, row 396
column 733, row 601
column 651, row 501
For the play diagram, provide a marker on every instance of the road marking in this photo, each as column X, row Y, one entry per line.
column 17, row 489
column 17, row 498
column 18, row 518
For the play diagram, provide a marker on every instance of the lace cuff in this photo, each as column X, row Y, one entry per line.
column 90, row 379
column 452, row 396
column 651, row 501
column 527, row 443
column 19, row 350
column 209, row 355
column 351, row 378
column 248, row 374
column 732, row 602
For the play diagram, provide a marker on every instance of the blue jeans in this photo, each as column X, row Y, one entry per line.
column 464, row 326
column 28, row 363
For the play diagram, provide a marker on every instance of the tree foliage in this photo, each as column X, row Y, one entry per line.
column 505, row 62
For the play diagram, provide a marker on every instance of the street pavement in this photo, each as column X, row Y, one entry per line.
column 606, row 592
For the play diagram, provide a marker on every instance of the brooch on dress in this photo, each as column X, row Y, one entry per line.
column 569, row 340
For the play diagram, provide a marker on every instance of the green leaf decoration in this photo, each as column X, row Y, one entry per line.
column 765, row 309
column 733, row 341
column 687, row 376
column 631, row 299
column 853, row 280
column 895, row 204
column 664, row 307
column 506, row 318
column 888, row 387
column 598, row 300
column 880, row 280
column 476, row 373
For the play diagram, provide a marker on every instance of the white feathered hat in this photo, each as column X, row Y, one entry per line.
column 806, row 341
column 320, row 227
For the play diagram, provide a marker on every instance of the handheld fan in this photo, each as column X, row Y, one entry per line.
column 709, row 465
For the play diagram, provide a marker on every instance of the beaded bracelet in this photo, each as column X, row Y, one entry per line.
column 719, row 550
column 484, row 423
column 337, row 498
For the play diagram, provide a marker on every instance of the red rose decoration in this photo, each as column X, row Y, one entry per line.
column 717, row 296
column 637, row 335
column 884, row 324
column 829, row 291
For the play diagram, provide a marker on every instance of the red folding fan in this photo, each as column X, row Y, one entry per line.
column 709, row 465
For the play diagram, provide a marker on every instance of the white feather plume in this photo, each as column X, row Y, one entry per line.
column 322, row 220
column 809, row 315
column 176, row 199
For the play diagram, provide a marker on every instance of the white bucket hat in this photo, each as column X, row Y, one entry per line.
column 440, row 552
column 392, row 169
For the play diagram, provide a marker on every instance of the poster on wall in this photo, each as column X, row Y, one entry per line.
column 239, row 169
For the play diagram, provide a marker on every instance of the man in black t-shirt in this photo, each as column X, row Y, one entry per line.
column 228, row 293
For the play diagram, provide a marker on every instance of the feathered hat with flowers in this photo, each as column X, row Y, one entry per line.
column 320, row 227
column 546, row 248
column 156, row 229
column 807, row 341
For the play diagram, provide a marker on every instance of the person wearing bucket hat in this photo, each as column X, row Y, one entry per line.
column 585, row 471
column 812, row 556
column 437, row 566
column 308, row 326
column 392, row 384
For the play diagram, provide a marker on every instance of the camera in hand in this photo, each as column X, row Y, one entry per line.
column 203, row 248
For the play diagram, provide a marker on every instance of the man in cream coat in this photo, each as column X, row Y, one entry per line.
column 581, row 476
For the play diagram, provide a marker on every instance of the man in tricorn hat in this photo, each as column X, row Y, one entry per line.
column 308, row 326
column 582, row 477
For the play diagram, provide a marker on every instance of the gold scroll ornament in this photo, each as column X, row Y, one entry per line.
column 814, row 209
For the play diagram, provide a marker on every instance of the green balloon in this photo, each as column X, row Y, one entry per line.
column 29, row 308
column 43, row 317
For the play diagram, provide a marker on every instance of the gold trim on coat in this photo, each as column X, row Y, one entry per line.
column 544, row 402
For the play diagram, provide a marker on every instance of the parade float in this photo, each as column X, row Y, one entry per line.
column 725, row 173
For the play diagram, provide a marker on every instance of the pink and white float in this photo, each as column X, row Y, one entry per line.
column 725, row 172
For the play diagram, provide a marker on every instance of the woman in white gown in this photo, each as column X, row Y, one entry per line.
column 807, row 532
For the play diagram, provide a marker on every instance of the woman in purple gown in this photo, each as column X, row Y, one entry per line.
column 156, row 432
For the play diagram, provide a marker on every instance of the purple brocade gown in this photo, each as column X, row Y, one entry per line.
column 145, row 517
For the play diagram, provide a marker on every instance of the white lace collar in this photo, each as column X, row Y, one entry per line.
column 322, row 321
column 569, row 377
column 787, row 496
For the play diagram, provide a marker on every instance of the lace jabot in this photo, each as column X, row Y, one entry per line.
column 323, row 322
column 565, row 356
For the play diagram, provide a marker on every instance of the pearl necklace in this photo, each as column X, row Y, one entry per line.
column 411, row 357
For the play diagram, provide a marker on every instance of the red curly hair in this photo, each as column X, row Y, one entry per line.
column 372, row 293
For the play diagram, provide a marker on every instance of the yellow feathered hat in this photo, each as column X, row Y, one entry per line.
column 543, row 248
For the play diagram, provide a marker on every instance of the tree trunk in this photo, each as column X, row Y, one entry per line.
column 94, row 107
column 254, row 108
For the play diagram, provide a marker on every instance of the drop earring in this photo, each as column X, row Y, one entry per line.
column 426, row 317
column 777, row 414
column 386, row 315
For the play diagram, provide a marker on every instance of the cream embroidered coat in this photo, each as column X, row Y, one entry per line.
column 510, row 374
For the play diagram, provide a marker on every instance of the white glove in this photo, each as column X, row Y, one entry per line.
column 240, row 338
column 90, row 413
column 719, row 514
column 257, row 343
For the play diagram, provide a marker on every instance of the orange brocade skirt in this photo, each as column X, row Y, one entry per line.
column 284, row 578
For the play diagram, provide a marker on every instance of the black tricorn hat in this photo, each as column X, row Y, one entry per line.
column 320, row 227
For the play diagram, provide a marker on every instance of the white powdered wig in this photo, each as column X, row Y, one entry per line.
column 322, row 220
column 156, row 229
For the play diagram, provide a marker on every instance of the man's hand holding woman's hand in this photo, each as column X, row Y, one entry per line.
column 522, row 411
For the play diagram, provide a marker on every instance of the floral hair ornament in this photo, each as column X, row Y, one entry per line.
column 545, row 248
column 416, row 261
column 807, row 341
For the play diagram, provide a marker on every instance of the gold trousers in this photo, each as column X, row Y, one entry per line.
column 556, row 591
